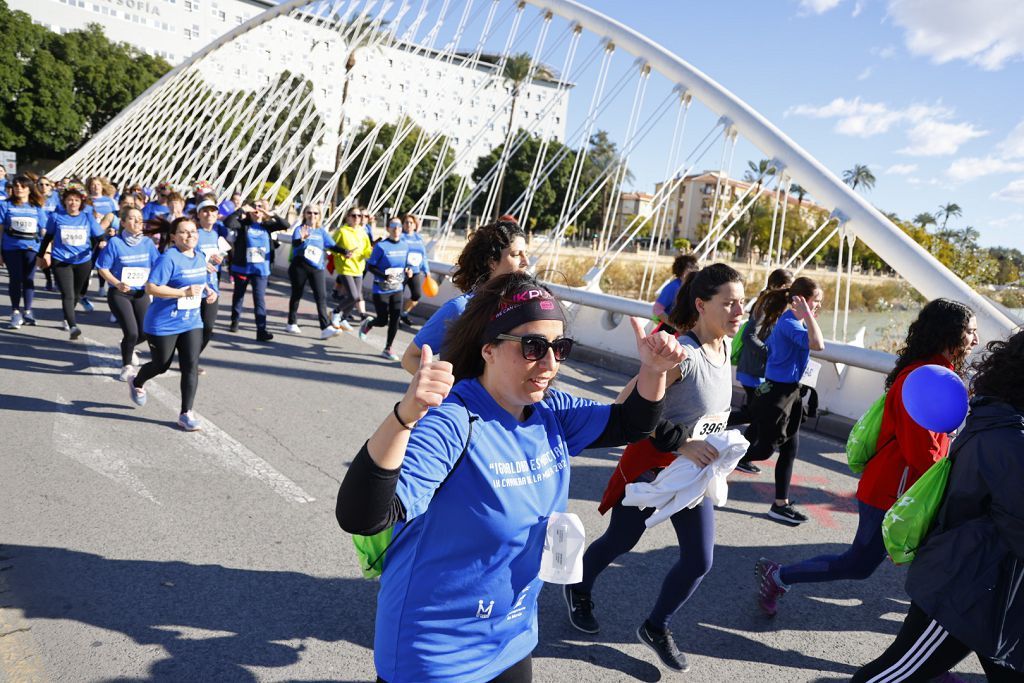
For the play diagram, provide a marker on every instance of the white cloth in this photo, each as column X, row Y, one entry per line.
column 683, row 484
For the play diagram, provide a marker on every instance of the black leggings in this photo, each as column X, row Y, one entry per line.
column 351, row 293
column 161, row 350
column 209, row 314
column 776, row 415
column 415, row 285
column 389, row 307
column 520, row 672
column 130, row 311
column 922, row 651
column 70, row 278
column 300, row 272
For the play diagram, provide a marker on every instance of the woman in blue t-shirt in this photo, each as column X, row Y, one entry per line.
column 777, row 410
column 178, row 284
column 310, row 242
column 215, row 247
column 390, row 267
column 105, row 210
column 250, row 229
column 418, row 264
column 72, row 233
column 463, row 606
column 125, row 264
column 23, row 220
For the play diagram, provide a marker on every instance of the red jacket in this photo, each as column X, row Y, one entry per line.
column 637, row 459
column 906, row 449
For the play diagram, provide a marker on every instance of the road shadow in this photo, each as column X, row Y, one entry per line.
column 158, row 603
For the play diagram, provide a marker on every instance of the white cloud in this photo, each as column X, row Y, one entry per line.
column 1014, row 192
column 900, row 169
column 858, row 7
column 970, row 168
column 1013, row 146
column 887, row 52
column 929, row 131
column 865, row 74
column 988, row 33
column 932, row 138
column 1014, row 219
column 818, row 6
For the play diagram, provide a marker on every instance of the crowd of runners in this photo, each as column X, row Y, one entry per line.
column 480, row 444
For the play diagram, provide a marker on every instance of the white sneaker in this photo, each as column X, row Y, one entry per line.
column 336, row 319
column 74, row 332
column 344, row 325
column 293, row 329
column 16, row 320
column 126, row 372
column 329, row 332
column 64, row 325
column 135, row 359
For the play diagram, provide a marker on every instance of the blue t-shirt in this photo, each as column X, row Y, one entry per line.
column 463, row 606
column 226, row 207
column 104, row 205
column 257, row 252
column 667, row 295
column 313, row 247
column 435, row 329
column 139, row 260
column 154, row 210
column 391, row 258
column 209, row 243
column 417, row 252
column 174, row 316
column 72, row 236
column 23, row 226
column 748, row 380
column 788, row 350
column 52, row 203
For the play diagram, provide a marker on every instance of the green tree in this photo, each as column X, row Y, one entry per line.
column 924, row 219
column 859, row 176
column 800, row 192
column 947, row 210
column 603, row 155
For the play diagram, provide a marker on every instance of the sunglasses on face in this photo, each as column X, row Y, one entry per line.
column 535, row 347
column 312, row 213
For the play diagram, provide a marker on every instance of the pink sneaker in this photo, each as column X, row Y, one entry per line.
column 768, row 588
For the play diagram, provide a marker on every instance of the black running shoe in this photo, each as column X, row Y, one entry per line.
column 787, row 513
column 664, row 646
column 748, row 467
column 263, row 335
column 234, row 326
column 581, row 610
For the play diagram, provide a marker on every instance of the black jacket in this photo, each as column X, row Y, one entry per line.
column 238, row 224
column 969, row 573
column 754, row 352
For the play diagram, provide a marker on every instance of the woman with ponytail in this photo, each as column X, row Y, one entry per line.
column 707, row 309
column 777, row 411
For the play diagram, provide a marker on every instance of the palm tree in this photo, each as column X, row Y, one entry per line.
column 859, row 175
column 800, row 193
column 947, row 210
column 924, row 219
column 756, row 173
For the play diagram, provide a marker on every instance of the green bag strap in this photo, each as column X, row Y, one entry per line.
column 465, row 448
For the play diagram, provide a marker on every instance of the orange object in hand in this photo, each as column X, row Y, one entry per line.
column 430, row 287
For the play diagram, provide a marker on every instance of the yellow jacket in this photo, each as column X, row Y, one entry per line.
column 355, row 240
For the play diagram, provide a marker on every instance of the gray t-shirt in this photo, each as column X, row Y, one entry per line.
column 705, row 388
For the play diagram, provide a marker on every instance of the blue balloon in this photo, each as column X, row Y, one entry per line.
column 935, row 398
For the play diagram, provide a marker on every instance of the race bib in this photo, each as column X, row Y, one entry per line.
column 415, row 259
column 810, row 376
column 74, row 238
column 254, row 255
column 714, row 423
column 134, row 277
column 24, row 228
column 189, row 303
column 562, row 558
column 313, row 254
column 393, row 278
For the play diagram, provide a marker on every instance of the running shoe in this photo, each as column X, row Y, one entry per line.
column 581, row 610
column 405, row 320
column 49, row 287
column 138, row 396
column 126, row 372
column 329, row 332
column 336, row 319
column 292, row 328
column 135, row 359
column 263, row 334
column 787, row 513
column 344, row 325
column 390, row 355
column 200, row 370
column 664, row 646
column 748, row 467
column 64, row 325
column 87, row 305
column 74, row 332
column 17, row 320
column 364, row 328
column 769, row 587
column 29, row 318
column 189, row 422
column 234, row 326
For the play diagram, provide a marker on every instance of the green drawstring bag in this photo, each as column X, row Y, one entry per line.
column 909, row 520
column 862, row 443
column 370, row 550
column 737, row 344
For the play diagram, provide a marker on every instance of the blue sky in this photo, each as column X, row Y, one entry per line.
column 928, row 93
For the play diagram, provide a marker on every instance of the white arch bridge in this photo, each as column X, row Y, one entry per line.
column 470, row 108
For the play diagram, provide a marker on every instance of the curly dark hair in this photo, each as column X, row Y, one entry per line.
column 483, row 248
column 999, row 373
column 939, row 327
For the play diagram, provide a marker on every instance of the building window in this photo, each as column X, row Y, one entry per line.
column 222, row 15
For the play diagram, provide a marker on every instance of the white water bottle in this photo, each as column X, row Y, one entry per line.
column 562, row 561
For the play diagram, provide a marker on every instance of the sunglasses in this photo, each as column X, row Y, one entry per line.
column 312, row 213
column 535, row 347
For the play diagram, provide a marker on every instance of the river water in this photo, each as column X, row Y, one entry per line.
column 883, row 330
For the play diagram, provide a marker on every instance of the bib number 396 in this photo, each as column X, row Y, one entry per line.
column 714, row 423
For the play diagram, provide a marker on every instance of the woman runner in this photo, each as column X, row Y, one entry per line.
column 178, row 284
column 390, row 267
column 463, row 606
column 214, row 245
column 349, row 265
column 23, row 220
column 418, row 264
column 125, row 263
column 252, row 228
column 309, row 244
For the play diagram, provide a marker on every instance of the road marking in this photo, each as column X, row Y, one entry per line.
column 213, row 441
column 19, row 658
column 70, row 440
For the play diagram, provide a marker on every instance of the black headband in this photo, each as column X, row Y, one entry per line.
column 522, row 307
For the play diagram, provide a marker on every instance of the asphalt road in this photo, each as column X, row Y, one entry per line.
column 131, row 551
